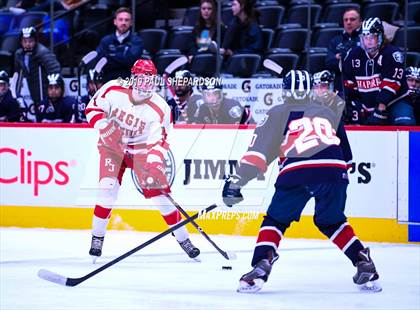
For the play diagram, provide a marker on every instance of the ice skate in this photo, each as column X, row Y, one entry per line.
column 96, row 247
column 254, row 280
column 190, row 249
column 366, row 276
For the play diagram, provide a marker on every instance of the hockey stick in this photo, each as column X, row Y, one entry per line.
column 62, row 280
column 273, row 66
column 177, row 63
column 228, row 255
column 100, row 64
column 13, row 84
column 85, row 60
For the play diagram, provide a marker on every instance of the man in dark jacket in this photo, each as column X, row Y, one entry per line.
column 34, row 62
column 121, row 48
column 9, row 107
column 340, row 44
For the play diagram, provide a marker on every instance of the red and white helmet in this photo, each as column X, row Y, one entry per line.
column 143, row 75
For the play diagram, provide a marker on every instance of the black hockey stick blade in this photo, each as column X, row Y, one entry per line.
column 62, row 280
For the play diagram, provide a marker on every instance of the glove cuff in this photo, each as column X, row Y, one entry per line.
column 108, row 130
column 235, row 181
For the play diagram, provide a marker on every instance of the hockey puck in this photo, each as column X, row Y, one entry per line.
column 226, row 267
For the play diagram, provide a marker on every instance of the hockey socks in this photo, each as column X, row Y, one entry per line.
column 343, row 236
column 100, row 220
column 269, row 236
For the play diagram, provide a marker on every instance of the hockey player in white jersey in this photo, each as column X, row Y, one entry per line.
column 133, row 123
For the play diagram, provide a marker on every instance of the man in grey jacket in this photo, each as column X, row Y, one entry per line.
column 34, row 62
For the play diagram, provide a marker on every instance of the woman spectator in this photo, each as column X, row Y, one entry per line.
column 243, row 34
column 205, row 31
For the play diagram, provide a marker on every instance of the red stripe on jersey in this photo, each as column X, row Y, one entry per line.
column 344, row 236
column 139, row 146
column 269, row 235
column 290, row 142
column 256, row 161
column 96, row 118
column 88, row 110
column 116, row 88
column 172, row 218
column 390, row 84
column 285, row 169
column 158, row 110
column 349, row 84
column 157, row 153
column 102, row 212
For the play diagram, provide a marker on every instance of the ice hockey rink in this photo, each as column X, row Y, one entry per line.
column 310, row 274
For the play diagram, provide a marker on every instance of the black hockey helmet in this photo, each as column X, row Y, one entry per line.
column 297, row 85
column 372, row 26
column 412, row 75
column 4, row 77
column 324, row 76
column 95, row 77
column 323, row 85
column 28, row 32
column 183, row 82
column 212, row 93
column 413, row 72
column 55, row 79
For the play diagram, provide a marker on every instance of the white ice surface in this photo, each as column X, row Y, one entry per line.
column 310, row 274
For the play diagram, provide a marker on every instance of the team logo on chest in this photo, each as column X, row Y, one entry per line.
column 368, row 83
column 135, row 124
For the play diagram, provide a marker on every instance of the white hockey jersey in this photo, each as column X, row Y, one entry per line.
column 145, row 126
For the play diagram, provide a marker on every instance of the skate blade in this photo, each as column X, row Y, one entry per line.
column 245, row 287
column 94, row 258
column 370, row 287
column 197, row 259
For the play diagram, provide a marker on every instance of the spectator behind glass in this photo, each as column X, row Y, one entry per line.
column 243, row 34
column 340, row 44
column 56, row 108
column 121, row 48
column 205, row 31
column 9, row 107
column 34, row 62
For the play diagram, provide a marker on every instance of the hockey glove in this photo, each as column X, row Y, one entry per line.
column 153, row 176
column 232, row 191
column 378, row 117
column 111, row 136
